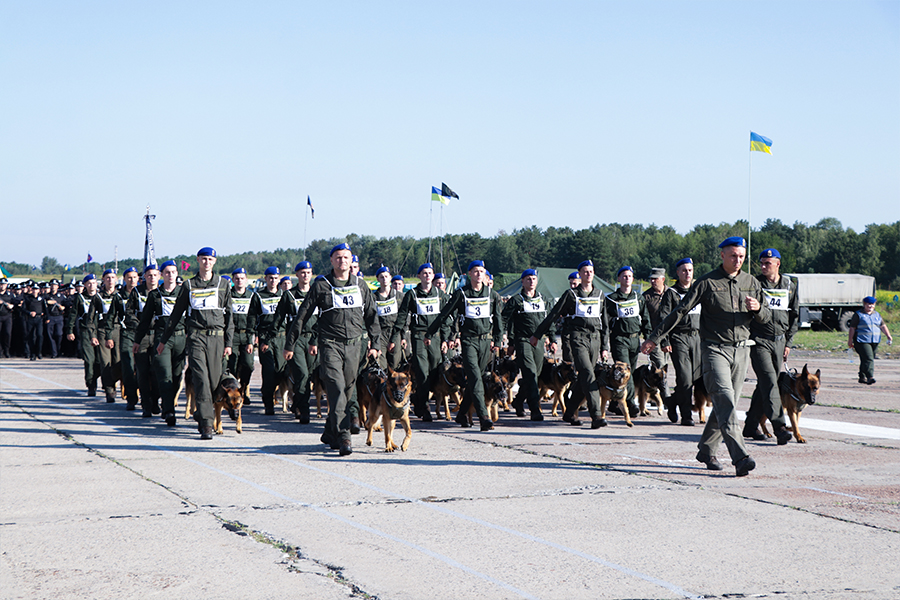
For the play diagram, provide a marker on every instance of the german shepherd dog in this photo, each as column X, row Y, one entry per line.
column 450, row 382
column 496, row 393
column 369, row 382
column 227, row 395
column 701, row 399
column 613, row 382
column 509, row 370
column 318, row 388
column 556, row 377
column 392, row 403
column 284, row 389
column 796, row 392
column 648, row 381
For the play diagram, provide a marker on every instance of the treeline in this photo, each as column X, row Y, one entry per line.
column 825, row 247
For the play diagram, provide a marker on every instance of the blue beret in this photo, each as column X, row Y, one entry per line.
column 382, row 269
column 488, row 273
column 397, row 278
column 623, row 269
column 869, row 299
column 585, row 263
column 226, row 277
column 734, row 241
column 684, row 261
column 168, row 263
column 286, row 278
column 427, row 265
column 343, row 246
column 129, row 270
column 528, row 272
column 303, row 264
column 320, row 277
column 239, row 270
column 109, row 272
column 574, row 275
column 88, row 277
column 151, row 267
column 354, row 258
column 475, row 263
column 272, row 271
column 438, row 275
column 769, row 253
column 206, row 251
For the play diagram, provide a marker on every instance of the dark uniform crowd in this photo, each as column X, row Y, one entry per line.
column 153, row 330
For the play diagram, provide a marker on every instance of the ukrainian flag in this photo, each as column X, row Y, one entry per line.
column 760, row 143
column 436, row 196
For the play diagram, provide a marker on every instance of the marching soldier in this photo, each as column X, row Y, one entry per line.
column 387, row 302
column 419, row 309
column 87, row 321
column 209, row 333
column 55, row 300
column 346, row 312
column 143, row 361
column 628, row 319
column 653, row 299
column 480, row 332
column 582, row 307
column 731, row 299
column 244, row 313
column 522, row 315
column 33, row 310
column 301, row 362
column 109, row 356
column 773, row 345
column 683, row 343
column 126, row 321
column 270, row 333
column 7, row 304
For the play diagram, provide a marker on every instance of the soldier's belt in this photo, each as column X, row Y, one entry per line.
column 741, row 344
column 771, row 338
column 211, row 332
column 483, row 336
column 629, row 336
column 342, row 340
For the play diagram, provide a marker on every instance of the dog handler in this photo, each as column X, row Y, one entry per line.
column 582, row 307
column 346, row 313
column 301, row 363
column 866, row 326
column 206, row 298
column 772, row 347
column 87, row 321
column 387, row 301
column 653, row 299
column 683, row 343
column 244, row 313
column 730, row 299
column 626, row 313
column 270, row 333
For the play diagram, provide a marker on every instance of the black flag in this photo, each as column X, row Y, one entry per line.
column 447, row 192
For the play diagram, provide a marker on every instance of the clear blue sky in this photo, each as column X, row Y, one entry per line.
column 223, row 116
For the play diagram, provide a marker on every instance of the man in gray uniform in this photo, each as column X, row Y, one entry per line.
column 683, row 344
column 653, row 299
column 730, row 300
column 773, row 344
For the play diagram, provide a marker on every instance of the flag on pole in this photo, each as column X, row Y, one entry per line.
column 760, row 143
column 66, row 266
column 90, row 258
column 185, row 265
column 446, row 192
column 437, row 197
column 312, row 211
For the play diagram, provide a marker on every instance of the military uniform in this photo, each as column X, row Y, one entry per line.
column 7, row 303
column 56, row 310
column 126, row 321
column 725, row 349
column 481, row 322
column 244, row 313
column 168, row 365
column 302, row 363
column 521, row 317
column 585, row 321
column 87, row 321
column 684, row 338
column 209, row 332
column 33, row 309
column 767, row 355
column 110, row 358
column 146, row 380
column 653, row 301
column 346, row 312
column 419, row 309
column 270, row 331
column 388, row 307
column 628, row 319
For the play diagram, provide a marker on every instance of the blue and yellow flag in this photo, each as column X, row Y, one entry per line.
column 436, row 196
column 760, row 143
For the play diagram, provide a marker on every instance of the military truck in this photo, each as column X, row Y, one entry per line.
column 830, row 299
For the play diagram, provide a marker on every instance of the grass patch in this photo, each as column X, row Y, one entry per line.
column 887, row 307
column 828, row 341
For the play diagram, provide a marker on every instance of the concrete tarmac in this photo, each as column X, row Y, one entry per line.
column 99, row 503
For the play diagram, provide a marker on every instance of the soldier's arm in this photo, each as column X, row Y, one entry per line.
column 565, row 306
column 646, row 325
column 399, row 328
column 146, row 317
column 497, row 311
column 370, row 316
column 690, row 300
column 793, row 315
column 181, row 304
column 229, row 322
column 508, row 313
column 448, row 310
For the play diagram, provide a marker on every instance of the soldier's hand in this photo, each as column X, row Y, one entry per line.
column 95, row 342
column 32, row 313
column 667, row 348
column 135, row 348
column 391, row 347
column 605, row 355
column 110, row 344
column 552, row 347
column 313, row 350
column 227, row 351
column 647, row 347
column 752, row 303
column 263, row 348
column 372, row 353
column 249, row 349
column 71, row 337
column 787, row 351
column 288, row 354
column 444, row 348
column 427, row 341
column 403, row 343
column 160, row 348
column 533, row 341
column 510, row 350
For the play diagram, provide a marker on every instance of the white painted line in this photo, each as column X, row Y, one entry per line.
column 815, row 489
column 668, row 463
column 871, row 431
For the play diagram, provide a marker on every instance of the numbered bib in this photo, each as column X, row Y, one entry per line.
column 85, row 305
column 346, row 297
column 776, row 299
column 428, row 306
column 268, row 305
column 587, row 308
column 628, row 309
column 107, row 302
column 168, row 303
column 386, row 307
column 535, row 305
column 142, row 301
column 205, row 299
column 478, row 308
column 240, row 306
column 297, row 302
column 693, row 311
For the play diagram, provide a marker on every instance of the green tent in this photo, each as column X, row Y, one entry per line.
column 552, row 283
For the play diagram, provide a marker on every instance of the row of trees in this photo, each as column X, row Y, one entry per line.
column 825, row 247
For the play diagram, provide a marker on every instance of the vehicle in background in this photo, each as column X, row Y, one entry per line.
column 830, row 299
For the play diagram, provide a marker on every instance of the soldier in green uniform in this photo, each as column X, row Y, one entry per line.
column 126, row 322
column 419, row 309
column 387, row 302
column 346, row 312
column 773, row 345
column 168, row 362
column 55, row 301
column 480, row 331
column 653, row 299
column 206, row 298
column 87, row 322
column 683, row 344
column 565, row 336
column 522, row 314
column 582, row 306
column 270, row 333
column 297, row 356
column 730, row 300
column 244, row 313
column 145, row 351
column 110, row 357
column 626, row 313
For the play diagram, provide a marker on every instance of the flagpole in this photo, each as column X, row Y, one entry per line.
column 430, row 220
column 749, row 187
column 442, row 237
column 305, row 222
